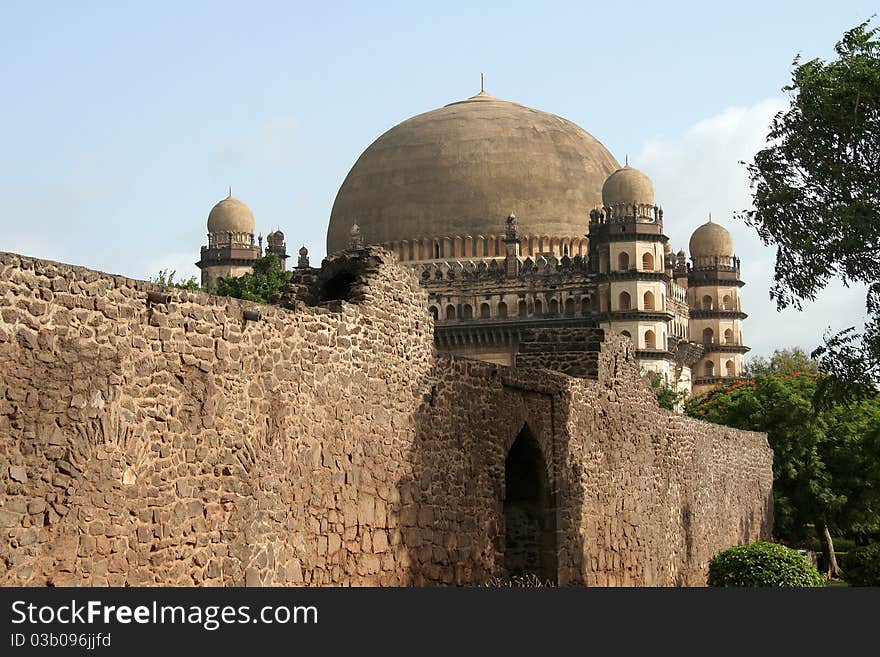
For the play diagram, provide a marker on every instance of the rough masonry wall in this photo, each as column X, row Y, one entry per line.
column 661, row 493
column 643, row 496
column 183, row 445
column 328, row 445
column 572, row 350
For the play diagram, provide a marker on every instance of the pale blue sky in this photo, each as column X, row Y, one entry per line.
column 123, row 123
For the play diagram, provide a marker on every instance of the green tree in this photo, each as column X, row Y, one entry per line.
column 166, row 277
column 816, row 193
column 667, row 396
column 264, row 285
column 783, row 361
column 863, row 566
column 826, row 460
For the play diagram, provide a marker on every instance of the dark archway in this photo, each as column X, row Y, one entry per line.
column 529, row 512
column 338, row 288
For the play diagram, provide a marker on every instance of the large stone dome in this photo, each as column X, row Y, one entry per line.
column 231, row 216
column 460, row 170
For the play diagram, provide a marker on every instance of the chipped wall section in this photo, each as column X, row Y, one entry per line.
column 181, row 444
column 641, row 495
column 661, row 493
column 327, row 444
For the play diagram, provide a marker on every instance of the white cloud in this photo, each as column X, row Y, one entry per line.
column 700, row 172
column 272, row 143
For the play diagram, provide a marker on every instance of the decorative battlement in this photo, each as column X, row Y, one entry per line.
column 627, row 212
column 234, row 253
column 546, row 264
column 719, row 263
column 713, row 270
column 228, row 238
column 484, row 247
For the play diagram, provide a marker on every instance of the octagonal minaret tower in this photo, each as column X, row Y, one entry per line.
column 628, row 256
column 231, row 250
column 715, row 301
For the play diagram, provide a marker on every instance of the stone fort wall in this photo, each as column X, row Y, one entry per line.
column 327, row 444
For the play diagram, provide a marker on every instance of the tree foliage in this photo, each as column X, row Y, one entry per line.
column 264, row 285
column 826, row 459
column 782, row 362
column 762, row 564
column 816, row 192
column 667, row 397
column 862, row 566
column 166, row 277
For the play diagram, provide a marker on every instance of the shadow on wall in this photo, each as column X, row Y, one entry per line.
column 480, row 499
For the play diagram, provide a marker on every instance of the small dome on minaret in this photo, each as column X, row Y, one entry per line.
column 627, row 186
column 231, row 216
column 711, row 239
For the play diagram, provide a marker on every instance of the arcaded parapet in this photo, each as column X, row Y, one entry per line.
column 153, row 443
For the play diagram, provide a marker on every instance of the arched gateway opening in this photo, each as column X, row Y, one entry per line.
column 529, row 511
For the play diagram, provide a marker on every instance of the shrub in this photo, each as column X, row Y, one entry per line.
column 762, row 564
column 166, row 277
column 264, row 285
column 861, row 566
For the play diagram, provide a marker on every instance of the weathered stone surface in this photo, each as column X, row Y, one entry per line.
column 154, row 455
column 18, row 473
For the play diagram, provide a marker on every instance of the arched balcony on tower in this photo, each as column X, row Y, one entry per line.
column 708, row 336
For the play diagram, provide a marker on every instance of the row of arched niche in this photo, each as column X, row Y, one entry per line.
column 569, row 308
column 650, row 340
column 729, row 368
column 624, row 302
column 707, row 302
column 492, row 246
column 623, row 262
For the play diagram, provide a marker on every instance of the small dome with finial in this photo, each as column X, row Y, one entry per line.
column 231, row 216
column 627, row 186
column 710, row 240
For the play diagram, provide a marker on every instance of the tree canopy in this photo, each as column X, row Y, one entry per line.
column 826, row 460
column 264, row 285
column 668, row 397
column 783, row 361
column 816, row 192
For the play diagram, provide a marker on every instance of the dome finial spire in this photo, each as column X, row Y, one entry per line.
column 710, row 216
column 482, row 85
column 626, row 160
column 230, row 192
